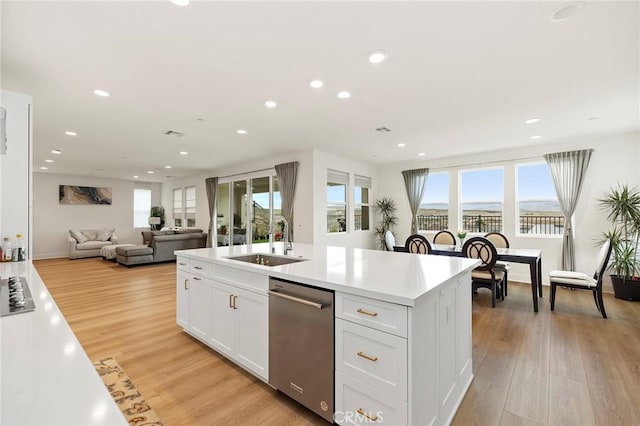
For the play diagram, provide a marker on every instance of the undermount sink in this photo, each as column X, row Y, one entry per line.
column 265, row 259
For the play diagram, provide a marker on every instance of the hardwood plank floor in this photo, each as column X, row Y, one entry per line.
column 568, row 367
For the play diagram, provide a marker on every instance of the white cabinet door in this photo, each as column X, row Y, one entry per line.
column 463, row 329
column 200, row 306
column 182, row 299
column 447, row 347
column 222, row 334
column 252, row 341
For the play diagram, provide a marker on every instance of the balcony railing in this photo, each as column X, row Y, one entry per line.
column 529, row 224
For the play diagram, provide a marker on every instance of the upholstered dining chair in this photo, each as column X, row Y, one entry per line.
column 500, row 241
column 485, row 275
column 389, row 240
column 417, row 244
column 581, row 281
column 444, row 237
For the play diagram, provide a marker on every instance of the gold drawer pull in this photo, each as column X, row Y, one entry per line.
column 362, row 413
column 365, row 356
column 371, row 314
column 182, row 264
column 197, row 267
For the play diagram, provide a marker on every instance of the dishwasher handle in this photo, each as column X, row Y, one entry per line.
column 296, row 299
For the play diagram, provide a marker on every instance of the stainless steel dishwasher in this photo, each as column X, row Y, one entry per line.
column 301, row 344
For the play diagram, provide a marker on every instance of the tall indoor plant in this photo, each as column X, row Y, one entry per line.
column 157, row 211
column 387, row 209
column 622, row 205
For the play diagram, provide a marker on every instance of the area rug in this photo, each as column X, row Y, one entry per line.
column 129, row 399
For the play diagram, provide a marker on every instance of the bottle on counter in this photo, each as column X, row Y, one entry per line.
column 19, row 251
column 7, row 250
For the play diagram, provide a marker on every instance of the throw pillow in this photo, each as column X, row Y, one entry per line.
column 105, row 234
column 80, row 238
column 91, row 234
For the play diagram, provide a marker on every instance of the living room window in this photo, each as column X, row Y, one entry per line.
column 362, row 185
column 337, row 183
column 481, row 199
column 190, row 206
column 141, row 207
column 538, row 208
column 433, row 214
column 184, row 207
column 177, row 207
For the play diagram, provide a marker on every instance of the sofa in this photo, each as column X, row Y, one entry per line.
column 158, row 246
column 88, row 242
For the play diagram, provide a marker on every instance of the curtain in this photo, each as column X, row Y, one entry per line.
column 287, row 174
column 568, row 170
column 211, row 186
column 415, row 181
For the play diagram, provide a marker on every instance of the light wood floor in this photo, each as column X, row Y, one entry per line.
column 570, row 367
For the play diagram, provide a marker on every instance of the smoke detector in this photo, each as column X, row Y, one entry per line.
column 383, row 129
column 173, row 133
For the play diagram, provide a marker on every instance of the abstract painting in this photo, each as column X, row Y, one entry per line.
column 70, row 194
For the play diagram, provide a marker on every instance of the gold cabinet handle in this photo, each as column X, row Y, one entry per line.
column 371, row 314
column 197, row 267
column 369, row 357
column 182, row 264
column 362, row 413
column 234, row 302
column 197, row 278
column 186, row 284
column 231, row 300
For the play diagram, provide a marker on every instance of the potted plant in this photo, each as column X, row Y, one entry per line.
column 157, row 212
column 622, row 205
column 387, row 208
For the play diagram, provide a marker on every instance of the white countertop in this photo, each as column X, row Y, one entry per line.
column 393, row 277
column 46, row 377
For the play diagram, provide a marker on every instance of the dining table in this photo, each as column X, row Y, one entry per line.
column 531, row 257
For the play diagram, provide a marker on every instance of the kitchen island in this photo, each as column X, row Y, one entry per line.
column 402, row 322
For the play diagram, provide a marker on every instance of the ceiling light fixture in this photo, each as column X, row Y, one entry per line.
column 344, row 95
column 422, row 154
column 136, row 176
column 567, row 10
column 48, row 161
column 378, row 57
column 44, row 168
column 180, row 2
column 532, row 120
column 150, row 172
column 270, row 104
column 241, row 132
column 70, row 133
column 535, row 137
column 101, row 93
column 316, row 84
column 56, row 151
column 401, row 145
column 184, row 153
column 167, row 167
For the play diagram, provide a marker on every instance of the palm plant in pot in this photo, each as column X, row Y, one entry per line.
column 622, row 205
column 387, row 209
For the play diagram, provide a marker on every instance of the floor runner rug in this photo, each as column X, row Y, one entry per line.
column 129, row 399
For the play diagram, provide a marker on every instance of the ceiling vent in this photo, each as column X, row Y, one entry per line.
column 173, row 133
column 383, row 129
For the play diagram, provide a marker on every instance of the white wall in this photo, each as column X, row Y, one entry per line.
column 52, row 220
column 615, row 160
column 15, row 167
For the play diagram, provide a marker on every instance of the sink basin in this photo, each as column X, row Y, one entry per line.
column 266, row 259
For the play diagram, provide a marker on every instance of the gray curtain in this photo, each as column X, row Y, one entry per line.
column 211, row 185
column 415, row 181
column 287, row 174
column 568, row 170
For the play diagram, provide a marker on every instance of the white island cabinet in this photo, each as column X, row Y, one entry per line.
column 402, row 323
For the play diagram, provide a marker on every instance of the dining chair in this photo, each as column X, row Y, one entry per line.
column 417, row 244
column 500, row 241
column 444, row 237
column 389, row 240
column 581, row 281
column 485, row 275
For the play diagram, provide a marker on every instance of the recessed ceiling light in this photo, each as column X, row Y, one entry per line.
column 241, row 132
column 136, row 176
column 101, row 93
column 44, row 168
column 199, row 119
column 180, row 2
column 56, row 151
column 344, row 95
column 422, row 154
column 167, row 167
column 377, row 57
column 593, row 118
column 48, row 161
column 270, row 104
column 535, row 137
column 532, row 120
column 401, row 145
column 150, row 172
column 184, row 153
column 566, row 11
column 70, row 133
column 316, row 84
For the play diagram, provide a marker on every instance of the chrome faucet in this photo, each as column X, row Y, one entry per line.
column 287, row 243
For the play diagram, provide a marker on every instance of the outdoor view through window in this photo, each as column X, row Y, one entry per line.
column 539, row 209
column 482, row 193
column 433, row 214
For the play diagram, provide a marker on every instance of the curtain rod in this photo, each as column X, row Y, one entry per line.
column 484, row 163
column 246, row 173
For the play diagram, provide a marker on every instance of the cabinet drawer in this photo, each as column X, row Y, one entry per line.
column 182, row 263
column 375, row 358
column 373, row 313
column 355, row 401
column 199, row 267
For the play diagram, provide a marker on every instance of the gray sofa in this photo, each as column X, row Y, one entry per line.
column 158, row 246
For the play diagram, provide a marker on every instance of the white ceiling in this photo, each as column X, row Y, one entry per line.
column 461, row 77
